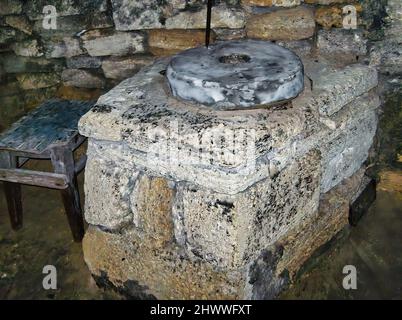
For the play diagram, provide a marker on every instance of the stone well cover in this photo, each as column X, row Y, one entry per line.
column 236, row 74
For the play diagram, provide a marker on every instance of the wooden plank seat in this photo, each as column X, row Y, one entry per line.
column 48, row 132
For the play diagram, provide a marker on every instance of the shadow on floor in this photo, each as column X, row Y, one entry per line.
column 45, row 239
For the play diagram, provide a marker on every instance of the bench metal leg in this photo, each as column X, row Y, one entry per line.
column 63, row 162
column 12, row 192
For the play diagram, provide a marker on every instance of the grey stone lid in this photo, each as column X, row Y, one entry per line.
column 236, row 74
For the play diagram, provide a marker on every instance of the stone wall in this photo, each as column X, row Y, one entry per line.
column 98, row 43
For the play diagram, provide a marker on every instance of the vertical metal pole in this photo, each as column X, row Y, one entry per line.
column 208, row 26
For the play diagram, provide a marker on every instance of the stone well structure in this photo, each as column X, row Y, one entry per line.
column 189, row 201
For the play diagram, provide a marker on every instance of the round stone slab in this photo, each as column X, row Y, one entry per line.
column 236, row 74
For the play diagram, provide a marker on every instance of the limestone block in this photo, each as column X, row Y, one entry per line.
column 115, row 44
column 151, row 203
column 226, row 34
column 167, row 42
column 6, row 35
column 125, row 67
column 67, row 47
column 29, row 81
column 287, row 24
column 325, row 2
column 8, row 7
column 20, row 23
column 69, row 26
column 82, row 79
column 74, row 93
column 270, row 3
column 386, row 56
column 17, row 64
column 28, row 48
column 230, row 230
column 334, row 90
column 137, row 14
column 317, row 229
column 35, row 97
column 222, row 17
column 9, row 88
column 300, row 47
column 344, row 139
column 107, row 191
column 135, row 266
column 84, row 62
column 342, row 41
column 355, row 148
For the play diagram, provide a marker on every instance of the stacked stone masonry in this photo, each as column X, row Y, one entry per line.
column 203, row 219
column 96, row 44
column 204, row 231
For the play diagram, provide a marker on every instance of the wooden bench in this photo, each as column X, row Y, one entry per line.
column 48, row 132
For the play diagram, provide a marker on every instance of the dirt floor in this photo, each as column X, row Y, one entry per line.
column 44, row 240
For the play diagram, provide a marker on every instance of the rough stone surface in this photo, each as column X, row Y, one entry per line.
column 387, row 57
column 34, row 9
column 164, row 273
column 167, row 42
column 73, row 93
column 110, row 211
column 353, row 129
column 229, row 230
column 332, row 16
column 69, row 26
column 8, row 7
column 17, row 64
column 115, row 44
column 151, row 203
column 342, row 41
column 20, row 23
column 222, row 17
column 137, row 14
column 6, row 35
column 225, row 34
column 82, row 78
column 340, row 88
column 317, row 229
column 325, row 2
column 68, row 47
column 84, row 62
column 37, row 81
column 123, row 68
column 236, row 74
column 288, row 24
column 269, row 3
column 28, row 48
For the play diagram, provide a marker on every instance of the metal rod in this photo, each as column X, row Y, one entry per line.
column 208, row 26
